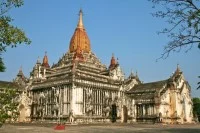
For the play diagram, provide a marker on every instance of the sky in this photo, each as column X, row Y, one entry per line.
column 123, row 27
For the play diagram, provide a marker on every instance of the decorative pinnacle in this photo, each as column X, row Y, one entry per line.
column 20, row 69
column 38, row 60
column 20, row 73
column 132, row 73
column 136, row 74
column 80, row 21
column 112, row 54
column 178, row 66
column 178, row 69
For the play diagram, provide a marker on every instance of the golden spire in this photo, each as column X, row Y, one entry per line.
column 80, row 21
column 80, row 38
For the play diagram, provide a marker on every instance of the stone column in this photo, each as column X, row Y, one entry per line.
column 143, row 107
column 73, row 99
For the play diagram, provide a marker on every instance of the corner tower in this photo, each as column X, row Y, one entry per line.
column 113, row 62
column 80, row 38
column 45, row 61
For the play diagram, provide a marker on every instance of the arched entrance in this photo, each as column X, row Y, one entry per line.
column 114, row 113
column 22, row 112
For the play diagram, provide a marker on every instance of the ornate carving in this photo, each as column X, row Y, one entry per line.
column 89, row 106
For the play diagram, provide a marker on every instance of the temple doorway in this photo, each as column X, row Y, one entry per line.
column 22, row 112
column 114, row 113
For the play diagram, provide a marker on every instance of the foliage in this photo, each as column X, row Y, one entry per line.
column 10, row 35
column 8, row 106
column 196, row 107
column 183, row 16
column 2, row 66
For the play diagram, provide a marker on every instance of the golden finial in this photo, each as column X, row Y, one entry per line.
column 80, row 21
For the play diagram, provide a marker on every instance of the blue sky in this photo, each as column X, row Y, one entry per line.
column 123, row 27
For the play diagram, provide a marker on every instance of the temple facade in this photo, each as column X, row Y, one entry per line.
column 79, row 88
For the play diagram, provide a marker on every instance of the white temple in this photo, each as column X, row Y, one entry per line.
column 79, row 88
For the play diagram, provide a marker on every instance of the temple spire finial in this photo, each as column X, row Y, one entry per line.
column 178, row 70
column 38, row 60
column 20, row 73
column 178, row 67
column 20, row 69
column 132, row 73
column 136, row 74
column 80, row 21
column 112, row 62
column 45, row 61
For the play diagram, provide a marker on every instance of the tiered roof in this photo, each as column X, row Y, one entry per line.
column 79, row 63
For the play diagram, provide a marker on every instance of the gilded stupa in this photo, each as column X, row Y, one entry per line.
column 80, row 38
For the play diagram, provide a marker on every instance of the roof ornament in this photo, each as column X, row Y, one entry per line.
column 132, row 74
column 137, row 77
column 136, row 74
column 20, row 73
column 112, row 62
column 117, row 62
column 80, row 21
column 38, row 60
column 178, row 70
column 45, row 61
column 20, row 69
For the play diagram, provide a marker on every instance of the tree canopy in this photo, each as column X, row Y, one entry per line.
column 196, row 107
column 8, row 106
column 10, row 35
column 183, row 17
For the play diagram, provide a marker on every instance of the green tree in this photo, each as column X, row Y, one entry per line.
column 196, row 107
column 183, row 17
column 10, row 35
column 8, row 104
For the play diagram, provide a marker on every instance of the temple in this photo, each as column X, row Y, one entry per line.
column 79, row 88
